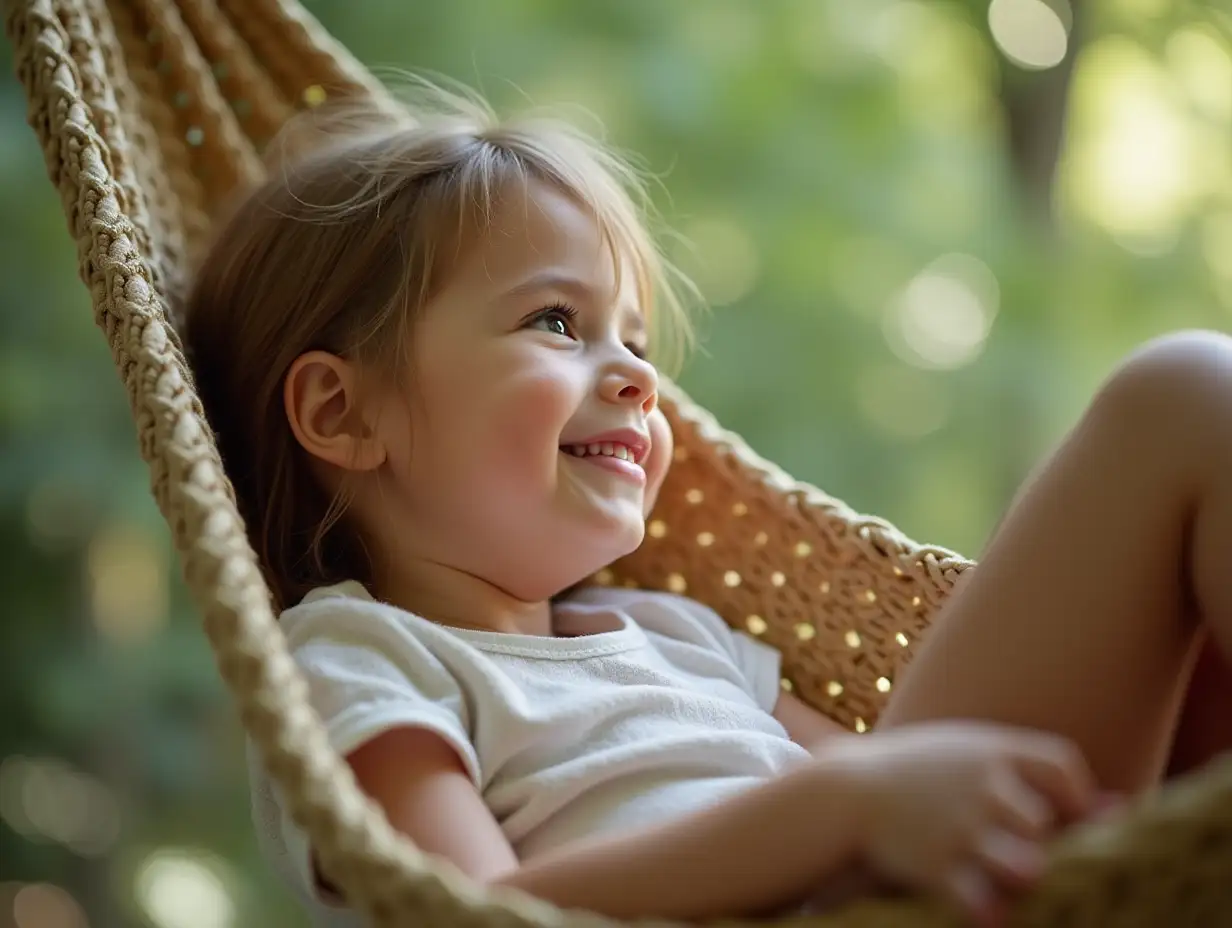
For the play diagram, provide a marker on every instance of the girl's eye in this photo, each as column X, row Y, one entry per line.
column 638, row 351
column 556, row 319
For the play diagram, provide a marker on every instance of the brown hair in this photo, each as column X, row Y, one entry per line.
column 339, row 250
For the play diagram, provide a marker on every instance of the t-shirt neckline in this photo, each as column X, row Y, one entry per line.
column 627, row 636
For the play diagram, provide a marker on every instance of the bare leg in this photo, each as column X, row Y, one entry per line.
column 1080, row 619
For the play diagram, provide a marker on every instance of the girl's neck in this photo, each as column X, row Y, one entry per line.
column 450, row 597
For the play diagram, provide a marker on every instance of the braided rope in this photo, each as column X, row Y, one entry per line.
column 237, row 71
column 187, row 478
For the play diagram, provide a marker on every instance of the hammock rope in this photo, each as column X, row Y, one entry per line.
column 150, row 113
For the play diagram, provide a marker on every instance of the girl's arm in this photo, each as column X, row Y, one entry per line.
column 762, row 849
column 957, row 809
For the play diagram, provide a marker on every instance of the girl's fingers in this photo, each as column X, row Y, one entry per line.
column 1001, row 864
column 1058, row 771
column 1020, row 809
column 1012, row 861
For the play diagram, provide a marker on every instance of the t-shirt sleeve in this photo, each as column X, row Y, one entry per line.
column 368, row 674
column 361, row 692
column 761, row 666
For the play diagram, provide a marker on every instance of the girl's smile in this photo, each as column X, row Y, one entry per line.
column 620, row 451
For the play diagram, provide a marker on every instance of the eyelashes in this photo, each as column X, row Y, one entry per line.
column 564, row 310
column 561, row 319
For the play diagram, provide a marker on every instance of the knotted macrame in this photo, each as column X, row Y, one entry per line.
column 151, row 111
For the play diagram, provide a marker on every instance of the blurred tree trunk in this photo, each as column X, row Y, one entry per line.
column 1035, row 107
column 1035, row 104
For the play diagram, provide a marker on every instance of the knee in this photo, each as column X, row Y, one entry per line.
column 1175, row 387
column 1175, row 368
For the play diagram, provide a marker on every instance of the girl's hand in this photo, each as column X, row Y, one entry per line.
column 962, row 809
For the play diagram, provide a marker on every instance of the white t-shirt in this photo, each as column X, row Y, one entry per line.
column 644, row 706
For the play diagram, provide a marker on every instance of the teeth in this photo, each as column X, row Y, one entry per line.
column 606, row 449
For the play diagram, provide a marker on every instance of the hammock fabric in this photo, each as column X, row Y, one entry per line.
column 151, row 111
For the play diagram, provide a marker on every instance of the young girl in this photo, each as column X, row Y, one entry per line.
column 423, row 347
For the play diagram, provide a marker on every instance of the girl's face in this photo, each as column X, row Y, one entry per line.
column 527, row 448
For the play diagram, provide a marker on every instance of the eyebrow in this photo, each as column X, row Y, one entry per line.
column 576, row 288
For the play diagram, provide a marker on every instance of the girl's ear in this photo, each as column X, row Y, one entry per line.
column 322, row 403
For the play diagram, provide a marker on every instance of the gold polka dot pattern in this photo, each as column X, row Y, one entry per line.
column 836, row 593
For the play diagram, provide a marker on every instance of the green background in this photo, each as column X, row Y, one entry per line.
column 922, row 258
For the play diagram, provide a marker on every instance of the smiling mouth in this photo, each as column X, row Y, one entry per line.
column 605, row 449
column 614, row 457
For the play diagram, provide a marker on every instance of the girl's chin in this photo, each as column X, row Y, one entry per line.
column 604, row 540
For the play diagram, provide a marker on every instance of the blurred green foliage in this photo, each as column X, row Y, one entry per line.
column 922, row 258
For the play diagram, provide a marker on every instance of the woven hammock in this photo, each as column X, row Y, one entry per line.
column 150, row 112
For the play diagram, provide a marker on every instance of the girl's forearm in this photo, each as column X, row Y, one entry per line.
column 763, row 849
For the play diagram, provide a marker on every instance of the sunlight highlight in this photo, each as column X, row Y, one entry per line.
column 44, row 905
column 1134, row 164
column 1031, row 33
column 44, row 799
column 128, row 583
column 1202, row 66
column 184, row 889
column 944, row 314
